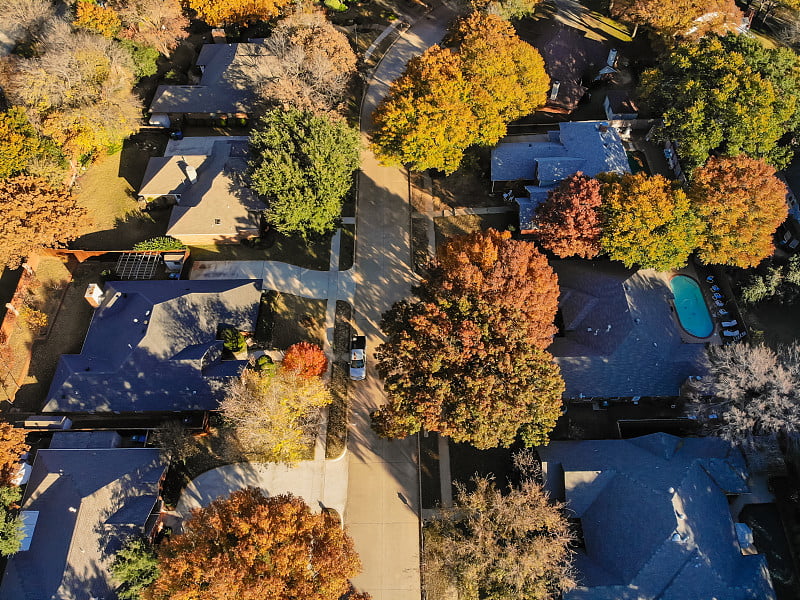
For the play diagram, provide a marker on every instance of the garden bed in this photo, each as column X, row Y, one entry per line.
column 339, row 410
column 347, row 247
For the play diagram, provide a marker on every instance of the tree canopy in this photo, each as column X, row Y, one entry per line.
column 135, row 566
column 467, row 357
column 250, row 547
column 217, row 13
column 303, row 166
column 683, row 18
column 11, row 532
column 22, row 148
column 33, row 216
column 568, row 223
column 275, row 415
column 647, row 221
column 741, row 203
column 749, row 391
column 159, row 24
column 12, row 445
column 727, row 95
column 305, row 359
column 500, row 546
column 462, row 94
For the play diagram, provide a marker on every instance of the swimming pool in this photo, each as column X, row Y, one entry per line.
column 692, row 310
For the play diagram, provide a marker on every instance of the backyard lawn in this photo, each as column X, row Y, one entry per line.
column 108, row 192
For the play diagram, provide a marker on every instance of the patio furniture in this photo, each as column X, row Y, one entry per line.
column 710, row 279
column 729, row 333
column 730, row 323
column 715, row 288
column 721, row 313
column 717, row 296
column 718, row 303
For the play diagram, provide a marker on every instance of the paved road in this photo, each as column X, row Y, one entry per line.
column 383, row 492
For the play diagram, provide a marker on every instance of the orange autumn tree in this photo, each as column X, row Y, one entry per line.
column 568, row 223
column 467, row 357
column 96, row 18
column 741, row 203
column 306, row 359
column 251, row 547
column 12, row 445
column 690, row 18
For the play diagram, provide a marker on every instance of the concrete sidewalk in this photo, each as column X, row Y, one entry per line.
column 321, row 483
column 278, row 276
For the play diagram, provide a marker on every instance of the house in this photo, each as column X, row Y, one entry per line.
column 152, row 346
column 654, row 520
column 80, row 505
column 538, row 163
column 619, row 106
column 202, row 178
column 228, row 87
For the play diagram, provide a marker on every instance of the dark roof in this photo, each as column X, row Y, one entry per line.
column 88, row 502
column 152, row 346
column 655, row 518
column 85, row 439
column 620, row 102
column 231, row 73
column 588, row 146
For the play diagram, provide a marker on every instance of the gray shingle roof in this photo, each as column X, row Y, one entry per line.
column 88, row 501
column 588, row 146
column 231, row 73
column 151, row 346
column 656, row 525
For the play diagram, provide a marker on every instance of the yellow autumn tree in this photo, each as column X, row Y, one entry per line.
column 459, row 94
column 236, row 12
column 97, row 19
column 648, row 221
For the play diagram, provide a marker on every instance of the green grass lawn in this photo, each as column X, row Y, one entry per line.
column 313, row 253
column 117, row 222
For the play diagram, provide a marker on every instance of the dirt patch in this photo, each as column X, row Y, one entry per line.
column 298, row 320
column 448, row 227
column 468, row 187
column 66, row 336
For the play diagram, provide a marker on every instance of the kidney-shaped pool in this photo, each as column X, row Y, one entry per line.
column 691, row 307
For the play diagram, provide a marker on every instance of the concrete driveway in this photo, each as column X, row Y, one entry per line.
column 383, row 493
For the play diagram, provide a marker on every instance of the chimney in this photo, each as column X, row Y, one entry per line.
column 94, row 295
column 554, row 90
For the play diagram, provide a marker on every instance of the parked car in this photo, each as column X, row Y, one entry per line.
column 358, row 358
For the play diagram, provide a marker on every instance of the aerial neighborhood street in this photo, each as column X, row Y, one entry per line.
column 400, row 299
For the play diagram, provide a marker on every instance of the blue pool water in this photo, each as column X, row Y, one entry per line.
column 692, row 310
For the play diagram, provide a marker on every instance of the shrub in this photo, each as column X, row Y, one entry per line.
column 160, row 243
column 305, row 359
column 232, row 339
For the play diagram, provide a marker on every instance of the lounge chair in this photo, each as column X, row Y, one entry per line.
column 715, row 288
column 729, row 333
column 718, row 303
column 717, row 296
column 730, row 323
column 722, row 312
column 710, row 279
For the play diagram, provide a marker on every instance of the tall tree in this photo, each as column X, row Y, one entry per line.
column 648, row 221
column 156, row 23
column 303, row 165
column 79, row 89
column 749, row 391
column 724, row 95
column 12, row 445
column 275, row 416
column 135, row 566
column 22, row 148
column 33, row 216
column 25, row 19
column 464, row 94
column 507, row 9
column 687, row 18
column 305, row 359
column 741, row 203
column 11, row 532
column 236, row 12
column 313, row 64
column 250, row 547
column 500, row 546
column 467, row 357
column 96, row 18
column 568, row 223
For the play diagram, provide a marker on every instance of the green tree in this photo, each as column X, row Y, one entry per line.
column 462, row 94
column 648, row 221
column 303, row 166
column 724, row 95
column 500, row 546
column 145, row 58
column 232, row 339
column 135, row 566
column 10, row 523
column 160, row 243
column 741, row 203
column 467, row 358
